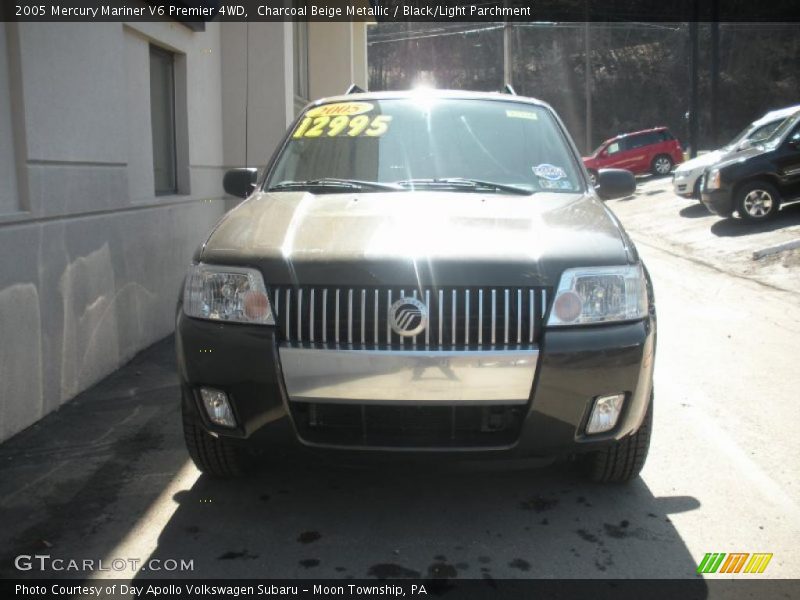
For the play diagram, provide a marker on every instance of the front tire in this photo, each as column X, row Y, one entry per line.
column 215, row 456
column 622, row 461
column 661, row 165
column 757, row 201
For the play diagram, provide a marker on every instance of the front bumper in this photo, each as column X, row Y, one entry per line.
column 719, row 202
column 575, row 365
column 426, row 377
column 685, row 185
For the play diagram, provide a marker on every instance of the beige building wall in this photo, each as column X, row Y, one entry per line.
column 91, row 259
column 336, row 50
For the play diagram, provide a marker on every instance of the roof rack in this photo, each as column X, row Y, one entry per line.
column 509, row 89
column 354, row 89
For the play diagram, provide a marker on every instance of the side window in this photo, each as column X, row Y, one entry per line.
column 666, row 136
column 647, row 139
column 9, row 196
column 794, row 138
column 637, row 141
column 764, row 131
column 613, row 148
column 162, row 115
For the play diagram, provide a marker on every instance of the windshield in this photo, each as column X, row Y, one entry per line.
column 771, row 142
column 755, row 134
column 427, row 142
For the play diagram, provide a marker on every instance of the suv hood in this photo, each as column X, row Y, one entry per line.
column 738, row 157
column 700, row 162
column 417, row 238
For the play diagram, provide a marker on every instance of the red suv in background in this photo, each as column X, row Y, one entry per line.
column 653, row 151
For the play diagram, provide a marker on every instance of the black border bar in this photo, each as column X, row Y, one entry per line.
column 467, row 589
column 403, row 10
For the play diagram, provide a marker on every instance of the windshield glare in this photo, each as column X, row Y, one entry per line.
column 428, row 138
column 777, row 134
column 742, row 135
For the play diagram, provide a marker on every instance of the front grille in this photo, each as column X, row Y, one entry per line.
column 457, row 317
column 370, row 425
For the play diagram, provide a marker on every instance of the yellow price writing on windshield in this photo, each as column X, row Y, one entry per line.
column 341, row 125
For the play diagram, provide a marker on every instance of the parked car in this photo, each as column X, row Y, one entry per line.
column 653, row 151
column 756, row 181
column 421, row 272
column 686, row 178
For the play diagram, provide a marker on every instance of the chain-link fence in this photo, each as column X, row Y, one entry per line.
column 640, row 74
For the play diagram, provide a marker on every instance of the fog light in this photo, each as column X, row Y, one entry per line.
column 217, row 407
column 605, row 413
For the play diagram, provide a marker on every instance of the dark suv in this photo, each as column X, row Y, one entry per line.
column 755, row 183
column 421, row 271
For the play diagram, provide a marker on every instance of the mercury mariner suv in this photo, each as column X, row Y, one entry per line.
column 421, row 271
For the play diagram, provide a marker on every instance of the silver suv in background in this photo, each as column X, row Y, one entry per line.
column 686, row 178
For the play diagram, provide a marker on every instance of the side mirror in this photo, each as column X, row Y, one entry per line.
column 744, row 145
column 615, row 183
column 240, row 182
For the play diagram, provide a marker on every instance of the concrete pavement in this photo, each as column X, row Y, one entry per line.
column 655, row 216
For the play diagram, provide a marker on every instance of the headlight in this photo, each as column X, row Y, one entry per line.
column 600, row 295
column 712, row 180
column 226, row 294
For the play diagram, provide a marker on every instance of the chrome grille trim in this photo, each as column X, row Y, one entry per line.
column 428, row 328
column 453, row 340
column 350, row 316
column 311, row 316
column 402, row 338
column 466, row 317
column 480, row 317
column 505, row 319
column 441, row 316
column 388, row 325
column 325, row 315
column 414, row 341
column 300, row 315
column 336, row 320
column 531, row 315
column 494, row 317
column 375, row 316
column 288, row 308
column 363, row 316
column 456, row 318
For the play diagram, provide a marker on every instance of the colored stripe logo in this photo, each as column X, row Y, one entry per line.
column 735, row 562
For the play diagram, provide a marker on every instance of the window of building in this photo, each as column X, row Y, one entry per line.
column 9, row 198
column 301, row 91
column 162, row 118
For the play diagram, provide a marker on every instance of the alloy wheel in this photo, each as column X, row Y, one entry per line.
column 758, row 203
column 663, row 165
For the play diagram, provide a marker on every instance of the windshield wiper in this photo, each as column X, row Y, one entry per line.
column 466, row 184
column 333, row 183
